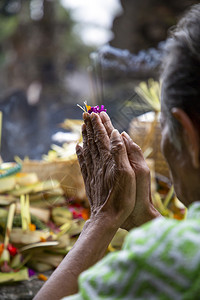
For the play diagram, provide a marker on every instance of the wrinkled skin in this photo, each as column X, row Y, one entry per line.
column 116, row 176
column 185, row 174
column 108, row 176
column 144, row 209
column 117, row 185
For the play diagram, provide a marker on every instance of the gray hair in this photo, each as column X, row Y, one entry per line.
column 181, row 72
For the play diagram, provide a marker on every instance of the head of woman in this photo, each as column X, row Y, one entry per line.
column 180, row 106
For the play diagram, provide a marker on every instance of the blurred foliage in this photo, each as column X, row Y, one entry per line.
column 8, row 26
column 38, row 43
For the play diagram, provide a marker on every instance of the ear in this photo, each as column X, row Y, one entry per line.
column 191, row 134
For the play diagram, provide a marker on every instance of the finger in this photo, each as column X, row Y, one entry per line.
column 131, row 147
column 81, row 160
column 100, row 135
column 118, row 149
column 90, row 139
column 135, row 155
column 137, row 161
column 105, row 119
column 85, row 115
column 86, row 151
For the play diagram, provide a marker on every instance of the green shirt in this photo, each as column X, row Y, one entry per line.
column 159, row 260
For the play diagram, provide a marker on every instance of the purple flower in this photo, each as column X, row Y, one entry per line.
column 31, row 272
column 96, row 109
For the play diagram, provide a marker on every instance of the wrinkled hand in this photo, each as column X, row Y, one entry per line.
column 107, row 173
column 143, row 209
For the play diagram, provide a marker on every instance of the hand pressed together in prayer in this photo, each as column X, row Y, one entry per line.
column 108, row 176
column 116, row 176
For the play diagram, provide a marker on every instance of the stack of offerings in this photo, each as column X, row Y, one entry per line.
column 38, row 226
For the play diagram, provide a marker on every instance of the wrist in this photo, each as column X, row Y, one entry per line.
column 150, row 214
column 102, row 221
column 139, row 218
column 96, row 235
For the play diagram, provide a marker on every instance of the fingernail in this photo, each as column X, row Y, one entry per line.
column 85, row 115
column 103, row 113
column 125, row 134
column 115, row 134
column 125, row 140
column 93, row 116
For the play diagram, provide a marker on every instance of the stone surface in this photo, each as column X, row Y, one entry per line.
column 24, row 290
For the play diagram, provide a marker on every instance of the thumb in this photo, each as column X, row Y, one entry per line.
column 134, row 152
column 118, row 149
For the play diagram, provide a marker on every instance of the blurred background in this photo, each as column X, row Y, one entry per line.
column 53, row 56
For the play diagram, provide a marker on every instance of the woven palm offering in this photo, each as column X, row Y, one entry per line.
column 38, row 225
column 66, row 172
column 145, row 129
column 61, row 164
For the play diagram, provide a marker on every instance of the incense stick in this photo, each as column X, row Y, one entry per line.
column 9, row 224
column 25, row 212
column 93, row 90
column 101, row 81
column 28, row 215
column 22, row 203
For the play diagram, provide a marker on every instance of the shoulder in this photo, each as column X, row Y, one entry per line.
column 194, row 211
column 162, row 255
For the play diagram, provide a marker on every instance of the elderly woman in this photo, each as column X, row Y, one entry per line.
column 160, row 259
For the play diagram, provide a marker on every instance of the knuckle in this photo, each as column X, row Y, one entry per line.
column 86, row 152
column 84, row 142
column 94, row 118
column 79, row 153
column 104, row 157
column 96, row 155
column 143, row 171
column 126, row 173
column 136, row 147
column 95, row 124
column 146, row 171
column 129, row 173
column 90, row 134
column 92, row 181
column 116, row 146
column 90, row 140
column 99, row 134
column 83, row 130
column 108, row 124
column 84, row 133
